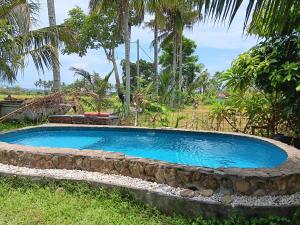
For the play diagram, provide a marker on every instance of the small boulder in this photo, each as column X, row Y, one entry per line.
column 227, row 199
column 186, row 193
column 60, row 190
column 205, row 192
column 259, row 193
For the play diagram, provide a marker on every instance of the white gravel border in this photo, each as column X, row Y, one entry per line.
column 135, row 183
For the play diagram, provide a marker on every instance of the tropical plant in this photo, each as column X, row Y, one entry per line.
column 275, row 15
column 179, row 15
column 272, row 68
column 157, row 24
column 17, row 40
column 93, row 89
column 46, row 85
column 194, row 77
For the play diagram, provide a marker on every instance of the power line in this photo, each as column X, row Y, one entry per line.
column 146, row 53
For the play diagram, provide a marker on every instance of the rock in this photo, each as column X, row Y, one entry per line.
column 292, row 182
column 96, row 165
column 259, row 192
column 242, row 186
column 159, row 175
column 60, row 190
column 227, row 199
column 186, row 193
column 209, row 182
column 225, row 191
column 136, row 169
column 205, row 192
column 184, row 177
column 150, row 170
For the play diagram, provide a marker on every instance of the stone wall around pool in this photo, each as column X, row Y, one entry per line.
column 282, row 180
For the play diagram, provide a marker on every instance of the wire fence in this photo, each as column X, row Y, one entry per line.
column 189, row 119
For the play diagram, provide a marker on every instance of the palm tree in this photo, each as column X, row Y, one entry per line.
column 189, row 17
column 157, row 24
column 179, row 15
column 17, row 41
column 275, row 15
column 123, row 8
column 93, row 86
column 55, row 67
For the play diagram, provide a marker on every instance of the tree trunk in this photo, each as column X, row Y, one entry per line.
column 55, row 66
column 180, row 79
column 127, row 50
column 117, row 77
column 156, row 55
column 173, row 80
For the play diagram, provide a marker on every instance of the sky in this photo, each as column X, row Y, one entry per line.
column 217, row 45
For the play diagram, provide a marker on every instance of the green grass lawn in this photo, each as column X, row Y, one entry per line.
column 25, row 202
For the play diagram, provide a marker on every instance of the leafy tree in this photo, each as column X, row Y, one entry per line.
column 272, row 67
column 124, row 9
column 96, row 31
column 147, row 72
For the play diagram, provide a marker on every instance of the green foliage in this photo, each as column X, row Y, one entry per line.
column 93, row 31
column 190, row 66
column 254, row 108
column 275, row 15
column 46, row 85
column 91, row 85
column 195, row 77
column 146, row 74
column 272, row 68
column 18, row 41
column 263, row 27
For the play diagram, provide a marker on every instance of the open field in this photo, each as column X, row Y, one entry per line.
column 187, row 118
column 21, row 96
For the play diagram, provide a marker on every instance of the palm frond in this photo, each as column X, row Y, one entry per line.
column 83, row 73
column 275, row 13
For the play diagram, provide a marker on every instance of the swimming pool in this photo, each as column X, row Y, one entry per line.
column 189, row 148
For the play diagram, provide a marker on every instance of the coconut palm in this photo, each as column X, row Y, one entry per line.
column 178, row 16
column 55, row 66
column 157, row 24
column 123, row 8
column 17, row 40
column 276, row 15
column 93, row 86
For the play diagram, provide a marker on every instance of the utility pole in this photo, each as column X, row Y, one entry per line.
column 138, row 64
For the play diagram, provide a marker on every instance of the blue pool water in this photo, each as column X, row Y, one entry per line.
column 190, row 148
